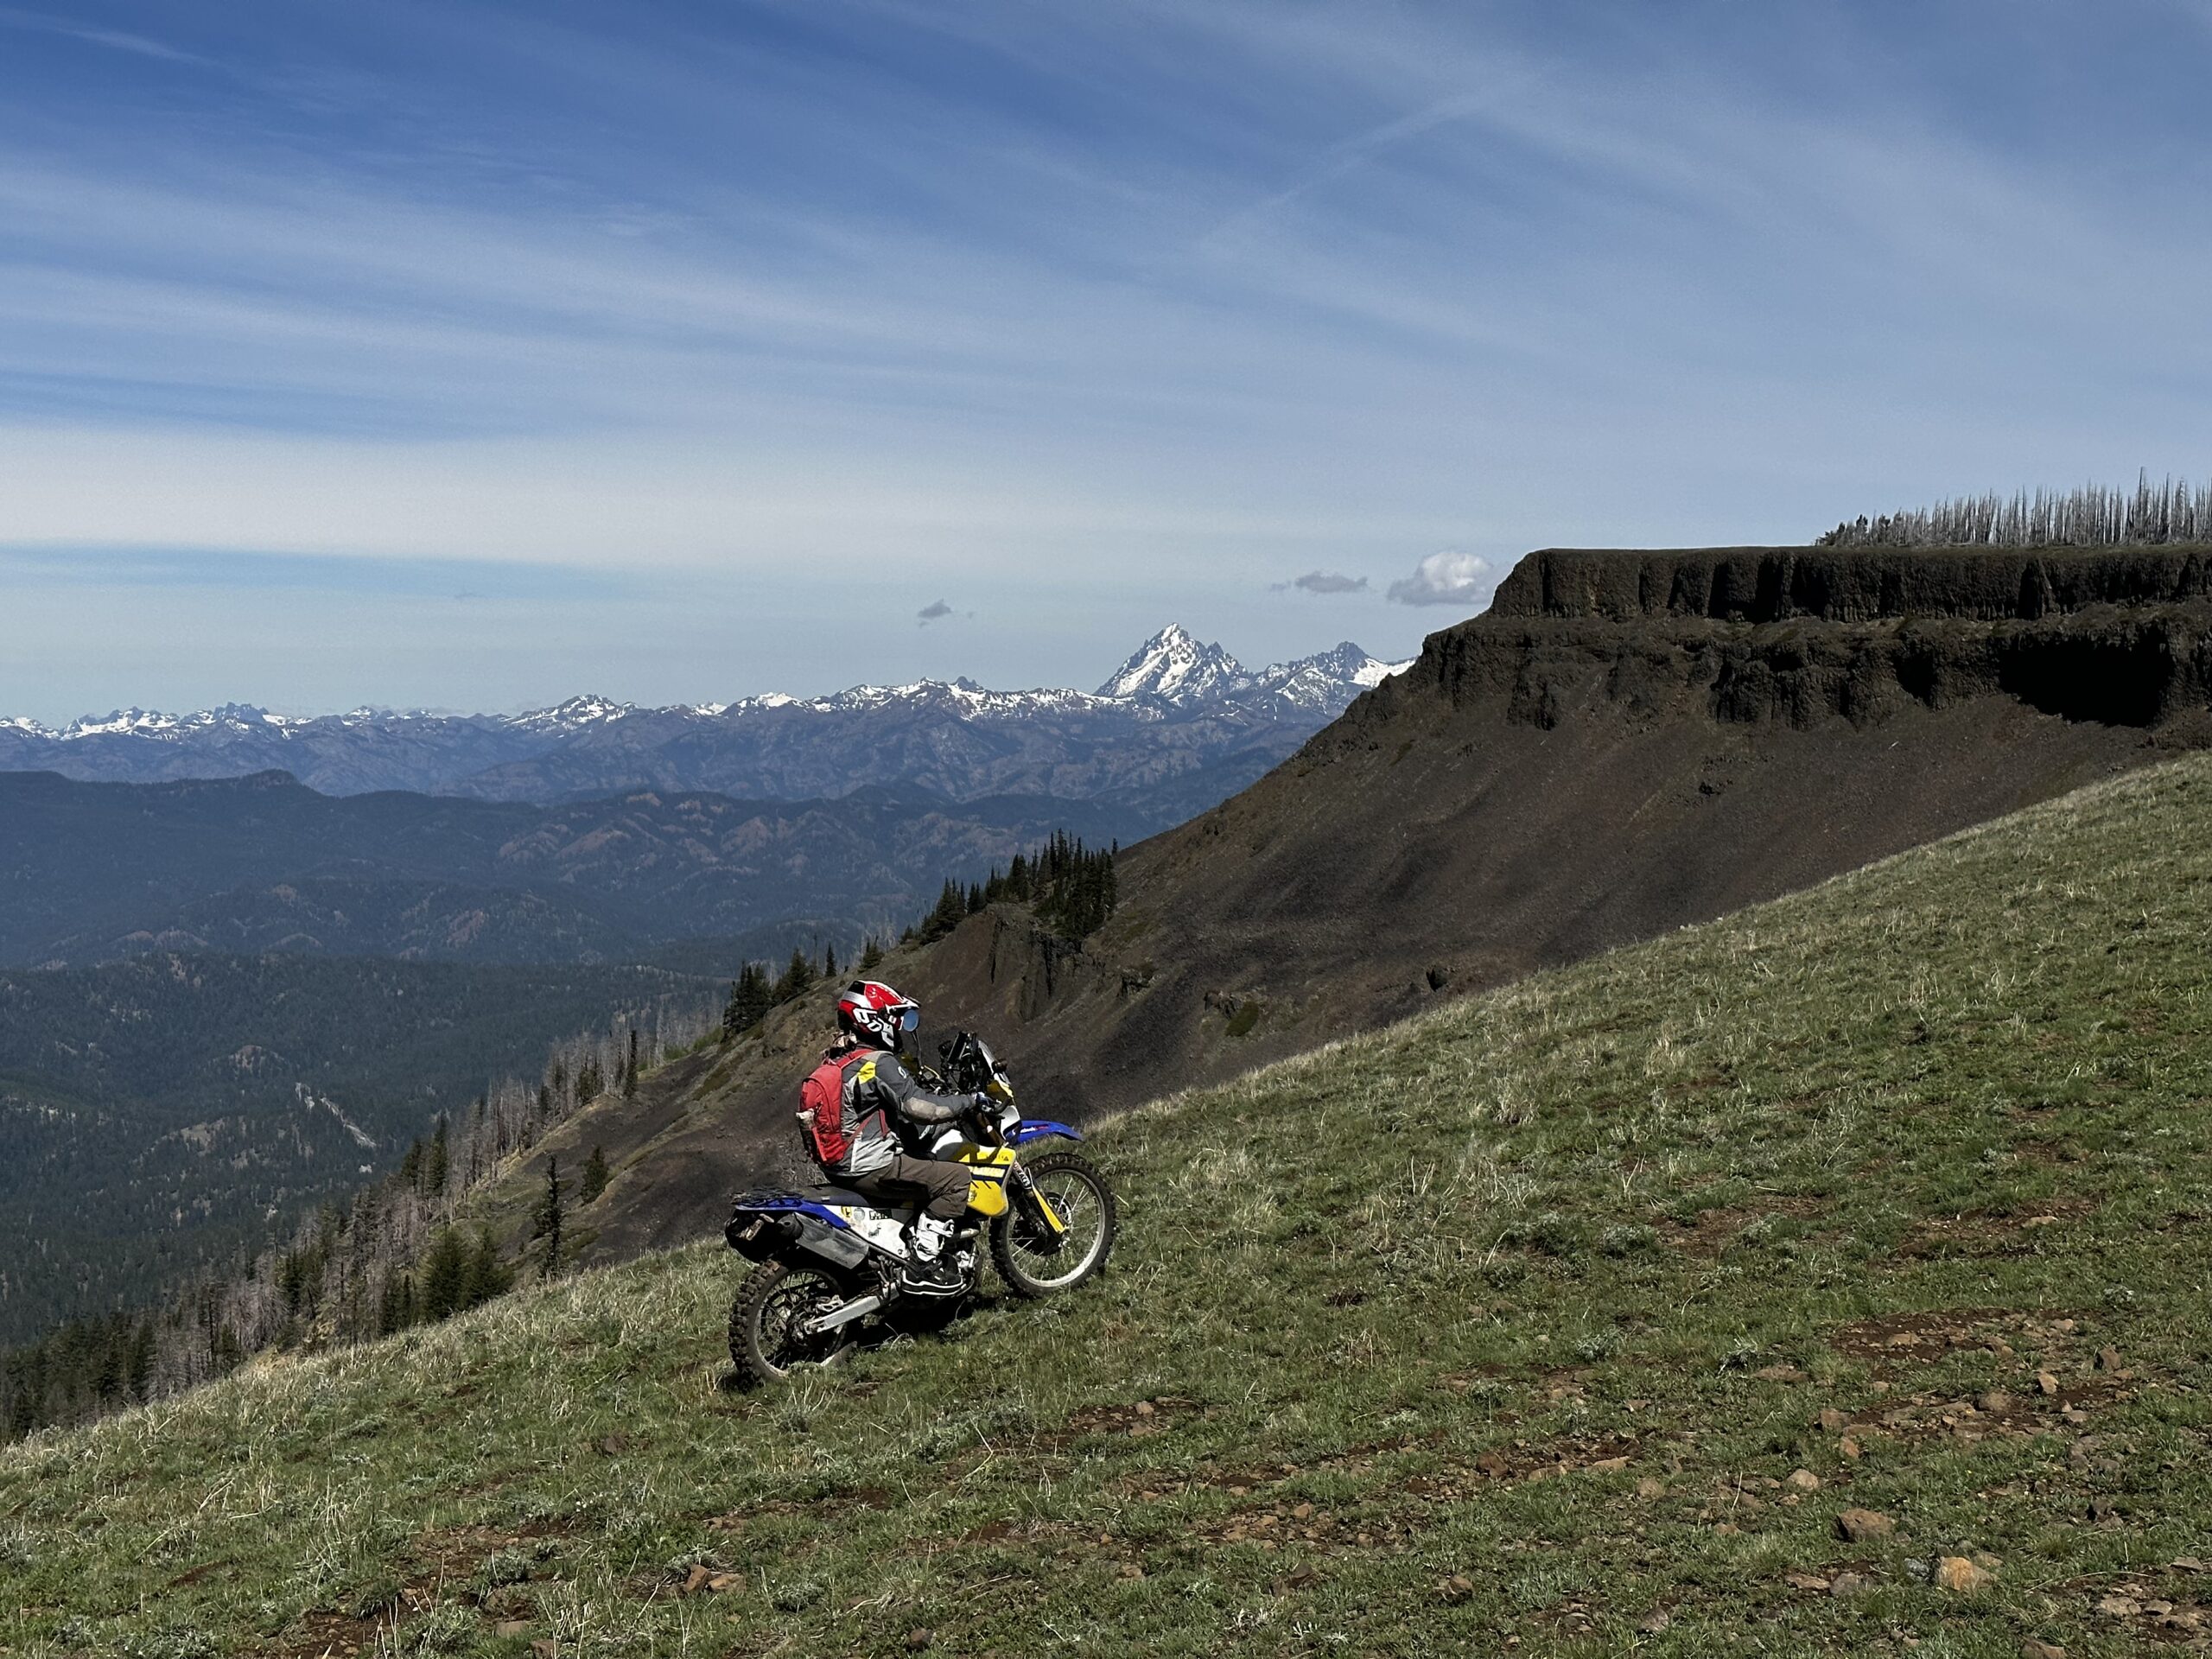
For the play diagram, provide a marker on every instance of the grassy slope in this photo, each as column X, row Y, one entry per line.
column 1381, row 1316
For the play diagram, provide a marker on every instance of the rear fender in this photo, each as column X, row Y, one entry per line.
column 767, row 1226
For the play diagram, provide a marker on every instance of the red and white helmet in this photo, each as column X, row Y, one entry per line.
column 870, row 1012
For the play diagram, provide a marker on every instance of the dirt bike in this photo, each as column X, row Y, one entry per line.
column 832, row 1267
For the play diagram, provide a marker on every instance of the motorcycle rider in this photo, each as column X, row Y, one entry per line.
column 879, row 1097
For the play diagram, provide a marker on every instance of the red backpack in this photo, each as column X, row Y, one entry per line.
column 822, row 1108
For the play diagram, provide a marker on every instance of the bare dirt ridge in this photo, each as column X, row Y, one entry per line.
column 1624, row 743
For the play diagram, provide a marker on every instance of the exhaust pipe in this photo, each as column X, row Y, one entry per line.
column 844, row 1313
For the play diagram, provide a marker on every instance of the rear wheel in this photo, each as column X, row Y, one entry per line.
column 1033, row 1259
column 766, row 1342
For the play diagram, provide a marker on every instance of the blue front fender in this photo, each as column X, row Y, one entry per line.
column 1040, row 1129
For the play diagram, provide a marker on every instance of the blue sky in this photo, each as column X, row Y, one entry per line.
column 471, row 356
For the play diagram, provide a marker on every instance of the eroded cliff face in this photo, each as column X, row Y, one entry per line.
column 1803, row 636
column 1775, row 584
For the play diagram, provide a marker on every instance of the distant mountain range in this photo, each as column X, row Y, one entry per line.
column 94, row 873
column 1178, row 727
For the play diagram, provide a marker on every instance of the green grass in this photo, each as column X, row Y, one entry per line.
column 1508, row 1325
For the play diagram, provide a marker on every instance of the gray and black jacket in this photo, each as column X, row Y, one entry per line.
column 878, row 1089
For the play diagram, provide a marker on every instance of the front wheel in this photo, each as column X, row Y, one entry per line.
column 765, row 1341
column 1033, row 1259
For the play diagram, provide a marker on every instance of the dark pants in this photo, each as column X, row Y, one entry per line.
column 903, row 1179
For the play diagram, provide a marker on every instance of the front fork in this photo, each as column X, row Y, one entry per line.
column 1036, row 1206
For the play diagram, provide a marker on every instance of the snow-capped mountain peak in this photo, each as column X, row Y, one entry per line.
column 1176, row 665
column 573, row 715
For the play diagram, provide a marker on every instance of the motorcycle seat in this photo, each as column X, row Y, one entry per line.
column 829, row 1193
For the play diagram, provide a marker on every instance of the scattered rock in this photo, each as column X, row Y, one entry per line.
column 1458, row 1588
column 544, row 1649
column 1832, row 1421
column 1653, row 1621
column 1847, row 1584
column 1860, row 1526
column 1649, row 1487
column 698, row 1579
column 918, row 1640
column 2119, row 1607
column 1805, row 1581
column 1995, row 1400
column 613, row 1445
column 2103, row 1508
column 2033, row 1648
column 723, row 1581
column 2108, row 1359
column 1961, row 1576
column 1805, row 1480
column 2187, row 1563
column 1903, row 1339
column 2046, row 1384
column 1608, row 1465
column 512, row 1627
column 1144, row 1409
column 1848, row 1447
column 1779, row 1373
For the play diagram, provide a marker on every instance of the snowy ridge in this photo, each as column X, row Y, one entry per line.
column 1178, row 668
column 1172, row 669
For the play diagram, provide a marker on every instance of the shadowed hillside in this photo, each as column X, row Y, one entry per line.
column 1626, row 742
column 1827, row 1279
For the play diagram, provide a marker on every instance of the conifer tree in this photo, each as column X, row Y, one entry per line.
column 396, row 1307
column 445, row 1277
column 751, row 996
column 829, row 962
column 797, row 980
column 594, row 1176
column 141, row 1361
column 629, row 1069
column 549, row 1216
column 871, row 955
column 435, row 1163
column 487, row 1275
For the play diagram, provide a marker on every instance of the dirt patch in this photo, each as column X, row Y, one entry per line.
column 327, row 1636
column 1138, row 1421
column 1922, row 1338
column 1984, row 1237
column 1711, row 1232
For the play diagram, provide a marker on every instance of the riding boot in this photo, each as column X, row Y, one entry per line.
column 929, row 1269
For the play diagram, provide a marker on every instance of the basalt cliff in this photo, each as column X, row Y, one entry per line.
column 1623, row 743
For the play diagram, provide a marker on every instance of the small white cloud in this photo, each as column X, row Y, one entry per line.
column 1447, row 579
column 931, row 612
column 1323, row 581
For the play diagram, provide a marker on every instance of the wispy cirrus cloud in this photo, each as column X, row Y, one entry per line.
column 115, row 39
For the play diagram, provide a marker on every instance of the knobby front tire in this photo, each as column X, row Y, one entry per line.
column 1079, row 1195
